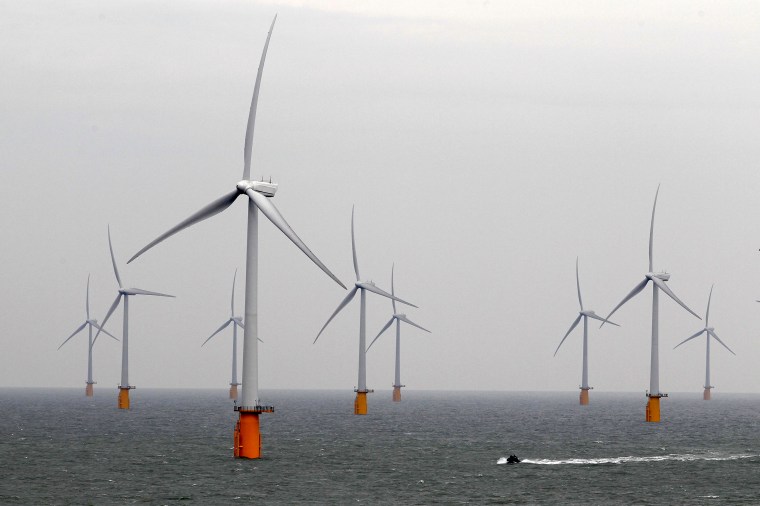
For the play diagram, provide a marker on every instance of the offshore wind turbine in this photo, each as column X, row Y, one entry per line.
column 90, row 323
column 236, row 322
column 360, row 403
column 124, row 294
column 398, row 318
column 658, row 283
column 247, row 437
column 709, row 332
column 585, row 314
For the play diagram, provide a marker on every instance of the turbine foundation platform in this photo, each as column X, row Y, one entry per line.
column 247, row 436
column 88, row 390
column 234, row 391
column 360, row 403
column 653, row 407
column 397, row 393
column 584, row 396
column 706, row 396
column 124, row 397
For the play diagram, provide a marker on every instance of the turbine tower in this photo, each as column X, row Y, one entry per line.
column 658, row 283
column 585, row 314
column 360, row 403
column 89, row 323
column 247, row 438
column 124, row 294
column 398, row 318
column 236, row 322
column 709, row 332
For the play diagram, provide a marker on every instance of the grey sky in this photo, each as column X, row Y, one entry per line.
column 484, row 144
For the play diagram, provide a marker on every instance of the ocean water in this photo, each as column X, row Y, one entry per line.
column 175, row 446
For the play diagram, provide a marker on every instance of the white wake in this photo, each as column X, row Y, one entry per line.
column 681, row 457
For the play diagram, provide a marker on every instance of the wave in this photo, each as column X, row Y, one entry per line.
column 680, row 457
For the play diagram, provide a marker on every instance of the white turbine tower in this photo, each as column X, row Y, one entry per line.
column 236, row 322
column 709, row 332
column 247, row 436
column 124, row 294
column 90, row 323
column 658, row 283
column 360, row 403
column 585, row 314
column 398, row 318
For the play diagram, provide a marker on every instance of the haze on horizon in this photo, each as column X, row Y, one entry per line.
column 485, row 146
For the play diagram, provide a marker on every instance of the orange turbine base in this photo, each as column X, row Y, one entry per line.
column 247, row 443
column 653, row 409
column 360, row 403
column 706, row 395
column 88, row 390
column 396, row 394
column 584, row 397
column 123, row 398
column 233, row 391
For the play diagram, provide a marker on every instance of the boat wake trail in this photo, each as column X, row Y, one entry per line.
column 682, row 457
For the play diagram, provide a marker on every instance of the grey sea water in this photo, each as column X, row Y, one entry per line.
column 58, row 447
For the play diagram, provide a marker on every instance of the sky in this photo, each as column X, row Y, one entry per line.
column 484, row 145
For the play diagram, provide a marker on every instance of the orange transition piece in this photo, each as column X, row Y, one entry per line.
column 706, row 395
column 247, row 436
column 584, row 396
column 88, row 390
column 653, row 408
column 233, row 391
column 396, row 394
column 360, row 403
column 124, row 398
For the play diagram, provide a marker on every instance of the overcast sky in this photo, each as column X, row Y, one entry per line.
column 485, row 145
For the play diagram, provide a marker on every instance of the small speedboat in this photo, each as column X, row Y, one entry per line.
column 512, row 459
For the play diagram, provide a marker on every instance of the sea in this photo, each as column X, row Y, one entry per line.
column 175, row 447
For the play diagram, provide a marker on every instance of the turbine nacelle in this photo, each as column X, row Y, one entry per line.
column 659, row 275
column 268, row 189
column 399, row 315
column 588, row 313
column 710, row 329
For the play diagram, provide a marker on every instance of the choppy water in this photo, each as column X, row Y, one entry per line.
column 58, row 447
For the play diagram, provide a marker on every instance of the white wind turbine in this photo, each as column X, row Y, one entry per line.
column 89, row 323
column 585, row 314
column 360, row 404
column 658, row 283
column 398, row 318
column 709, row 332
column 124, row 294
column 247, row 435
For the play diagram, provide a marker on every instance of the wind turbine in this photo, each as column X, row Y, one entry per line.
column 585, row 314
column 236, row 322
column 658, row 283
column 247, row 438
column 709, row 332
column 398, row 318
column 89, row 323
column 124, row 294
column 360, row 403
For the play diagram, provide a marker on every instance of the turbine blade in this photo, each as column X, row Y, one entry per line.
column 597, row 317
column 87, row 303
column 628, row 297
column 712, row 333
column 270, row 211
column 108, row 315
column 575, row 324
column 342, row 304
column 232, row 300
column 707, row 314
column 393, row 302
column 77, row 331
column 410, row 322
column 385, row 327
column 224, row 325
column 101, row 329
column 210, row 210
column 252, row 112
column 578, row 283
column 665, row 288
column 113, row 260
column 353, row 245
column 651, row 228
column 374, row 289
column 689, row 338
column 139, row 291
column 239, row 324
